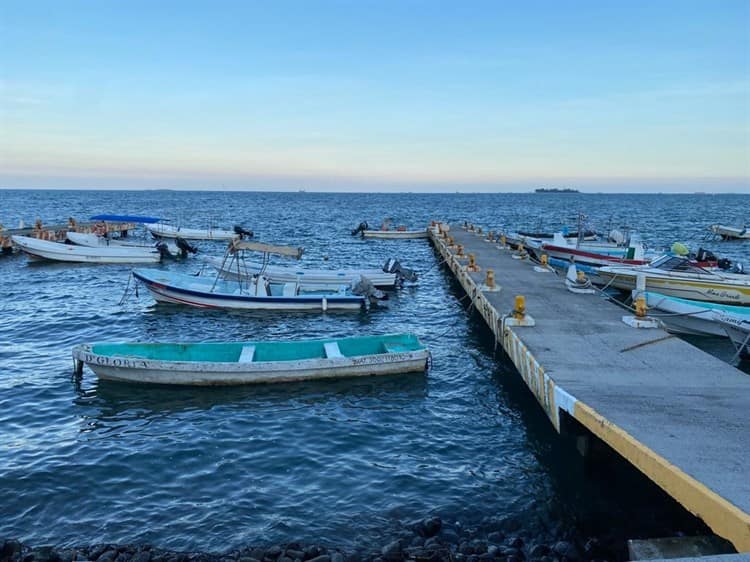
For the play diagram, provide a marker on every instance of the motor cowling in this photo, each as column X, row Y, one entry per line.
column 361, row 228
column 185, row 247
column 243, row 232
column 705, row 255
column 163, row 250
column 392, row 265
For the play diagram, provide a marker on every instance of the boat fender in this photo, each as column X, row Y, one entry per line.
column 679, row 249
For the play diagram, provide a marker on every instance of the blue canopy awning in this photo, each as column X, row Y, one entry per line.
column 125, row 218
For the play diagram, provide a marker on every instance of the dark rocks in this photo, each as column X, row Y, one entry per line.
column 566, row 550
column 392, row 552
column 429, row 527
column 539, row 550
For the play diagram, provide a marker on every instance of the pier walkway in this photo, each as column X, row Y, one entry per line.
column 679, row 415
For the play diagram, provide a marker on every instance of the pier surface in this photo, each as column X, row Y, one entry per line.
column 678, row 414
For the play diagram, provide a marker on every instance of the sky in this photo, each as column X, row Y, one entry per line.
column 407, row 95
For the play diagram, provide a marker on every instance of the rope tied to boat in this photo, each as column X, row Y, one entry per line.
column 127, row 289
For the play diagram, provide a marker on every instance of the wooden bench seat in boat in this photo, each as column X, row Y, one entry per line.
column 248, row 352
column 332, row 350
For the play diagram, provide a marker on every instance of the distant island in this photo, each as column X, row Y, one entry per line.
column 555, row 190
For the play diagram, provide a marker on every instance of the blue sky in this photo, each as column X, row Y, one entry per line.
column 359, row 95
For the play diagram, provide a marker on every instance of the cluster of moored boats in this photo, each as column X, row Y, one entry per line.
column 240, row 282
column 697, row 294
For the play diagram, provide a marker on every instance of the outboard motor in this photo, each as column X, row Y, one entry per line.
column 185, row 247
column 361, row 228
column 724, row 264
column 163, row 250
column 242, row 232
column 392, row 265
column 364, row 287
column 705, row 255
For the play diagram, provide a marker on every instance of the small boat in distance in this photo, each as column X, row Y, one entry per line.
column 730, row 232
column 206, row 364
column 56, row 251
column 388, row 233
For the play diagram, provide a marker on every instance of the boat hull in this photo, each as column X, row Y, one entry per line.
column 730, row 232
column 693, row 317
column 590, row 258
column 55, row 251
column 738, row 330
column 144, row 370
column 394, row 234
column 168, row 289
column 169, row 231
column 712, row 290
column 275, row 274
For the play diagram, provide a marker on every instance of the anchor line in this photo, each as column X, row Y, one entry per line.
column 127, row 287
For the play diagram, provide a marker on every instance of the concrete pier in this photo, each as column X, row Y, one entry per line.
column 679, row 415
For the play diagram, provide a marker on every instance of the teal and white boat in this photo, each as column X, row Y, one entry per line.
column 233, row 363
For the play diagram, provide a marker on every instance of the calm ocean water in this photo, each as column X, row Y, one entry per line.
column 345, row 463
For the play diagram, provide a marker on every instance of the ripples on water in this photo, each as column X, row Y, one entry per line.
column 345, row 463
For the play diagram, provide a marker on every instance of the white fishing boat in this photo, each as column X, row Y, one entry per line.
column 738, row 330
column 388, row 277
column 255, row 293
column 388, row 233
column 163, row 230
column 730, row 232
column 233, row 363
column 685, row 316
column 591, row 254
column 678, row 276
column 55, row 251
column 92, row 240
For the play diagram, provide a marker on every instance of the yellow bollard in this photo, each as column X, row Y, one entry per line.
column 503, row 240
column 519, row 310
column 490, row 235
column 640, row 307
column 544, row 260
column 473, row 264
column 489, row 279
column 460, row 252
column 451, row 242
column 580, row 276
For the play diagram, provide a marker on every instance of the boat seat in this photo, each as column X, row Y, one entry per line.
column 395, row 348
column 332, row 350
column 248, row 352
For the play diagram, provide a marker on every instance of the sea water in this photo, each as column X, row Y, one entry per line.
column 346, row 463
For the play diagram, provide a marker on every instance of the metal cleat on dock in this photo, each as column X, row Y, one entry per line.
column 489, row 284
column 518, row 316
column 577, row 282
column 543, row 266
column 520, row 254
column 640, row 319
column 472, row 265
